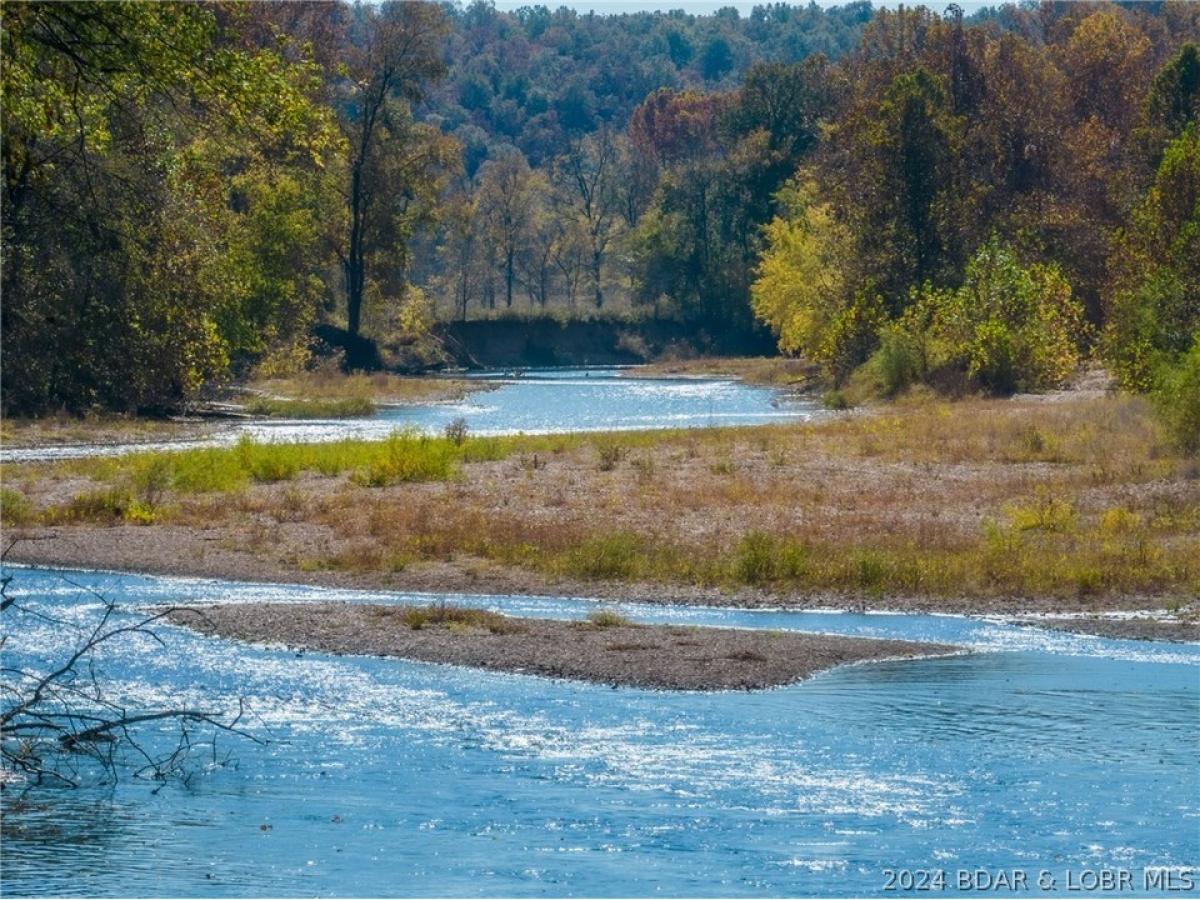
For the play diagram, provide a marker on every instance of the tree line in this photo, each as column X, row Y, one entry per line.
column 901, row 196
column 189, row 188
column 990, row 202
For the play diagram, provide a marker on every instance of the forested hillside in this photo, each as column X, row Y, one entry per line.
column 192, row 189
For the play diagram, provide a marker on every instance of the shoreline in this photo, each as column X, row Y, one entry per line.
column 1133, row 621
column 1018, row 510
column 208, row 420
column 602, row 651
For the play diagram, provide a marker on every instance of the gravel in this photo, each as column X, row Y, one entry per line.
column 647, row 656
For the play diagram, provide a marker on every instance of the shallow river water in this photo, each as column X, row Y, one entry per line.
column 536, row 402
column 1035, row 751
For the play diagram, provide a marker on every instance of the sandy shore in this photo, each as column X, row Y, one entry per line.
column 658, row 656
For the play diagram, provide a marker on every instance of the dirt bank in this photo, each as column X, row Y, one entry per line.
column 658, row 656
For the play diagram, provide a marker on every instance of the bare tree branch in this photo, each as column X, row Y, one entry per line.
column 54, row 722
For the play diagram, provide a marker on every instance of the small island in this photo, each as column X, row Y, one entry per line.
column 605, row 648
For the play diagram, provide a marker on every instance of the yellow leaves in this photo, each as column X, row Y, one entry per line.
column 1045, row 512
column 801, row 278
column 1118, row 520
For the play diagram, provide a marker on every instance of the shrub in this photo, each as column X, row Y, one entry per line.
column 268, row 462
column 898, row 364
column 609, row 556
column 870, row 570
column 645, row 468
column 1046, row 512
column 15, row 508
column 608, row 618
column 484, row 449
column 407, row 456
column 853, row 334
column 609, row 453
column 1177, row 399
column 204, row 470
column 455, row 618
column 114, row 505
column 1008, row 328
column 152, row 479
column 836, row 399
column 754, row 558
column 760, row 558
column 1118, row 520
column 456, row 431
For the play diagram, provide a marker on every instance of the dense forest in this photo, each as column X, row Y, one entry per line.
column 191, row 191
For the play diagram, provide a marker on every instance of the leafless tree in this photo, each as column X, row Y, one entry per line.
column 59, row 721
column 588, row 171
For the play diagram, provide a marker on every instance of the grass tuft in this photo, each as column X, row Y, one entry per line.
column 15, row 509
column 608, row 618
column 455, row 618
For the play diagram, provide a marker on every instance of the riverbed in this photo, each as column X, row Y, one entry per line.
column 1038, row 750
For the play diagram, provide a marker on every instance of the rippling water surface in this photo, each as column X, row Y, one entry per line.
column 384, row 777
column 536, row 402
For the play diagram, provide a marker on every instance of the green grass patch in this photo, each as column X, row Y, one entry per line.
column 15, row 509
column 409, row 457
column 403, row 456
column 762, row 558
column 612, row 556
column 311, row 408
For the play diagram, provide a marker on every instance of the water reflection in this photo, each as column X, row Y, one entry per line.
column 393, row 778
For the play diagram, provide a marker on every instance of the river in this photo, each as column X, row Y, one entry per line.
column 1035, row 751
column 537, row 401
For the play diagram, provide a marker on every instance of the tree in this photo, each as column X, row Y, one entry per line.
column 119, row 245
column 508, row 206
column 1107, row 59
column 910, row 147
column 802, row 281
column 588, row 172
column 459, row 248
column 1172, row 102
column 398, row 52
column 1153, row 300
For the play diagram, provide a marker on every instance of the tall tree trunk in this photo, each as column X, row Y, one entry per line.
column 355, row 262
column 508, row 278
column 597, row 257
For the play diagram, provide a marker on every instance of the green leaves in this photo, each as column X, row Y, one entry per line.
column 1154, row 297
column 1010, row 327
column 163, row 185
